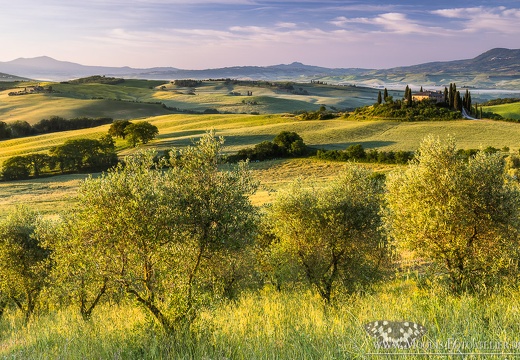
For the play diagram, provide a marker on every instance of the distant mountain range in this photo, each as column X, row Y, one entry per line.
column 496, row 68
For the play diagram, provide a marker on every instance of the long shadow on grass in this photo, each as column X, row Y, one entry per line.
column 185, row 138
column 366, row 145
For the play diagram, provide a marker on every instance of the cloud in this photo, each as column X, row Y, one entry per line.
column 177, row 2
column 476, row 19
column 393, row 22
column 286, row 25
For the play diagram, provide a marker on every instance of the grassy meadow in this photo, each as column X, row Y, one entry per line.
column 241, row 131
column 135, row 99
column 508, row 111
column 247, row 130
column 290, row 324
column 265, row 324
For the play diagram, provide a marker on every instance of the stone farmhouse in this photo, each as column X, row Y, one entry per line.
column 436, row 96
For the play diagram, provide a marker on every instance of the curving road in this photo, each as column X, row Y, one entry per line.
column 466, row 116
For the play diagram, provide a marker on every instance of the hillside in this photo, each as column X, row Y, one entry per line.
column 142, row 98
column 9, row 78
column 495, row 61
column 508, row 111
column 496, row 69
column 48, row 195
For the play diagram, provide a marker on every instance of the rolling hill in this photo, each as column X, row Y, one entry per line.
column 133, row 99
column 10, row 78
column 496, row 68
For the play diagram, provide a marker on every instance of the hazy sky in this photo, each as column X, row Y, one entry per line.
column 196, row 34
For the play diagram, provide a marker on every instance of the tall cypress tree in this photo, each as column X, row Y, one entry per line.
column 451, row 96
column 466, row 101
column 385, row 95
column 379, row 98
column 456, row 101
column 446, row 95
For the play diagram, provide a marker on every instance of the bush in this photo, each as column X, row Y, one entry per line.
column 284, row 144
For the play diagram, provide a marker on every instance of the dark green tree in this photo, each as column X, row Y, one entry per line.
column 20, row 128
column 5, row 131
column 81, row 154
column 285, row 139
column 117, row 129
column 409, row 97
column 266, row 150
column 385, row 95
column 355, row 152
column 298, row 148
column 457, row 101
column 38, row 162
column 379, row 98
column 16, row 168
column 141, row 132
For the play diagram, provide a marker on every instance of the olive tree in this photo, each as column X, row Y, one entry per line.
column 460, row 214
column 80, row 271
column 24, row 264
column 332, row 231
column 153, row 232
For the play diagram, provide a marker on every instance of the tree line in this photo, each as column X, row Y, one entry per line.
column 356, row 152
column 177, row 236
column 96, row 79
column 285, row 144
column 79, row 154
column 411, row 110
column 20, row 128
column 72, row 156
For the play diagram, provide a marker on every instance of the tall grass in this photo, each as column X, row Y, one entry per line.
column 266, row 324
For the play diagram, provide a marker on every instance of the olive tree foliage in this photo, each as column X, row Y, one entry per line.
column 277, row 264
column 154, row 232
column 460, row 214
column 79, row 270
column 24, row 264
column 332, row 231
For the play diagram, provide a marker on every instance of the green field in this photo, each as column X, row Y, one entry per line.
column 508, row 111
column 141, row 98
column 242, row 131
column 247, row 130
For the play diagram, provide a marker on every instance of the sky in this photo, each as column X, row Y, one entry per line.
column 200, row 34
